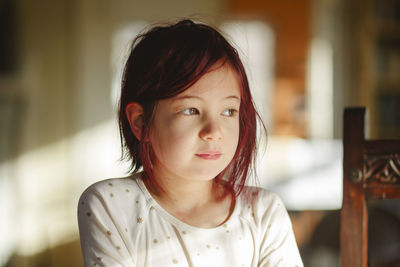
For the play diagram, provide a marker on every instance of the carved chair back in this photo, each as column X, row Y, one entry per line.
column 371, row 170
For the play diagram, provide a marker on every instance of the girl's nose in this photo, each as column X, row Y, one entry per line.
column 211, row 132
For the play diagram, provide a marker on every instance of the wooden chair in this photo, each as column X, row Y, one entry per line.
column 371, row 170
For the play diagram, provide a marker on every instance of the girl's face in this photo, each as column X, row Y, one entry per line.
column 195, row 134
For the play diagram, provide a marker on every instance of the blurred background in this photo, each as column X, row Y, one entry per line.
column 60, row 69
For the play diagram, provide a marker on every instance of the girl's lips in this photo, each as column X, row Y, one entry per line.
column 209, row 155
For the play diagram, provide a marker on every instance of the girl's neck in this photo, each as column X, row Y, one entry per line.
column 184, row 195
column 199, row 203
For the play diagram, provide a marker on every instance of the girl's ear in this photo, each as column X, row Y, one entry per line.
column 134, row 113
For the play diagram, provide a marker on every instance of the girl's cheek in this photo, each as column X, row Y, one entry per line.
column 182, row 121
column 175, row 127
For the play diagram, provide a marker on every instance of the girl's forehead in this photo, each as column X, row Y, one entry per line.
column 220, row 80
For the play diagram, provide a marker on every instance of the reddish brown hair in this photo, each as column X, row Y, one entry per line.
column 167, row 60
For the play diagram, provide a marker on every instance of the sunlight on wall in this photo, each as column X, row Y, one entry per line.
column 320, row 89
column 120, row 48
column 49, row 181
column 306, row 174
column 43, row 186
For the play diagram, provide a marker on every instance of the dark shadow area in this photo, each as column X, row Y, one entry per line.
column 323, row 247
column 384, row 233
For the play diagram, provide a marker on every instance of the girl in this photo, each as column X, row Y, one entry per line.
column 188, row 125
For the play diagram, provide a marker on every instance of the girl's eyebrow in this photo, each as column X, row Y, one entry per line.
column 233, row 97
column 184, row 97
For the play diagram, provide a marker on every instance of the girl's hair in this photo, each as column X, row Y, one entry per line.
column 167, row 60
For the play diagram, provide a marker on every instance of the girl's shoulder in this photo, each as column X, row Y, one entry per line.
column 252, row 195
column 260, row 205
column 267, row 214
column 114, row 193
column 129, row 183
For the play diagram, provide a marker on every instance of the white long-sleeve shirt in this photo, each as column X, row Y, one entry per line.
column 121, row 224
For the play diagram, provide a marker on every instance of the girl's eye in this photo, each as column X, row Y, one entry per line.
column 229, row 112
column 190, row 111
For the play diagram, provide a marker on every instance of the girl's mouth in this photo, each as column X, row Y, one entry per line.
column 209, row 155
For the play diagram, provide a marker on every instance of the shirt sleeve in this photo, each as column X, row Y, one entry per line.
column 278, row 244
column 102, row 243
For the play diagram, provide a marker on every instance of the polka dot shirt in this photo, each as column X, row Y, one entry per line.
column 120, row 224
